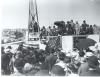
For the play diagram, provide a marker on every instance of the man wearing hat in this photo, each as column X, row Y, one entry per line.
column 8, row 49
column 51, row 59
column 84, row 66
column 93, row 67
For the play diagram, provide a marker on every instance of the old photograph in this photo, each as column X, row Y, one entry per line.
column 50, row 38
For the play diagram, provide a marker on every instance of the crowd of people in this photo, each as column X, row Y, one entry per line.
column 49, row 62
column 69, row 28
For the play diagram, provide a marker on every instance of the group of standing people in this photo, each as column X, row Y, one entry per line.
column 70, row 28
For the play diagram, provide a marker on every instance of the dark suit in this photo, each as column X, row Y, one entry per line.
column 51, row 60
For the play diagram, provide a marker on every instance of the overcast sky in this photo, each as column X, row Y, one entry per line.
column 15, row 12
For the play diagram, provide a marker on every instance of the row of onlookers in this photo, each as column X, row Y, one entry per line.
column 70, row 28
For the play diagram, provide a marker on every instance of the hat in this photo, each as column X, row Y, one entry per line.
column 58, row 71
column 7, row 50
column 93, row 62
column 27, row 67
column 88, row 54
column 63, row 51
column 92, row 48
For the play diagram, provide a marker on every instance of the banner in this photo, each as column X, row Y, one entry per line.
column 67, row 43
column 94, row 37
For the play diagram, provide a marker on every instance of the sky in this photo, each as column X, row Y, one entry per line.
column 15, row 13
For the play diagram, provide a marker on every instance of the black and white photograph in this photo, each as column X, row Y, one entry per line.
column 50, row 38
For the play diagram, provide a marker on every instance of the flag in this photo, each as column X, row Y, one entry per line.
column 54, row 42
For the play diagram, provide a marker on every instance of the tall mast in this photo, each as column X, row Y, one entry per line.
column 33, row 22
column 36, row 12
column 33, row 13
column 37, row 15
